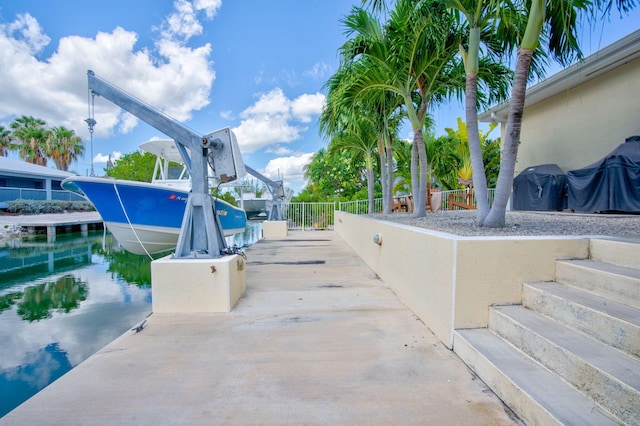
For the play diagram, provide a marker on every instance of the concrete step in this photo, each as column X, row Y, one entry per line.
column 536, row 395
column 621, row 252
column 613, row 323
column 608, row 376
column 619, row 283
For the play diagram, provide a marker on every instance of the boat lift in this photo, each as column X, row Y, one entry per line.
column 201, row 234
column 276, row 188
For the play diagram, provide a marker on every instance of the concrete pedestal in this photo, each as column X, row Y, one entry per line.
column 274, row 229
column 197, row 285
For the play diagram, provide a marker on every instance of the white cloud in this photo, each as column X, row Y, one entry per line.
column 278, row 150
column 319, row 71
column 103, row 158
column 305, row 106
column 183, row 23
column 276, row 119
column 227, row 114
column 171, row 77
column 27, row 31
column 290, row 168
column 209, row 6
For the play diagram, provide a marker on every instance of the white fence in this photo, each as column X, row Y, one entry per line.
column 309, row 216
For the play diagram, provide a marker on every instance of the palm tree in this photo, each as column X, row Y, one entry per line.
column 492, row 24
column 5, row 142
column 64, row 147
column 466, row 171
column 32, row 137
column 359, row 141
column 387, row 118
column 414, row 58
column 402, row 166
column 553, row 23
column 340, row 113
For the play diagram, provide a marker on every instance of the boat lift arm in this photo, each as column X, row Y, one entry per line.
column 277, row 193
column 201, row 233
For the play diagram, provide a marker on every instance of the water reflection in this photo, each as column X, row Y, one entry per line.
column 60, row 303
column 62, row 295
column 251, row 235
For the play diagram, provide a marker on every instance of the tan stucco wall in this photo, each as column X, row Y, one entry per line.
column 581, row 125
column 448, row 281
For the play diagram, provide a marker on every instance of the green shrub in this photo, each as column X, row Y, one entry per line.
column 47, row 206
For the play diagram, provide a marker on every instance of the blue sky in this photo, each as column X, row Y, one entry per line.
column 257, row 66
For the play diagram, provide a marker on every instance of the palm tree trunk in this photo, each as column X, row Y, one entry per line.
column 390, row 179
column 415, row 178
column 471, row 113
column 371, row 189
column 420, row 195
column 386, row 204
column 496, row 216
column 475, row 150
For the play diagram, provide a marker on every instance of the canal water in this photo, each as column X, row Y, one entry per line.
column 61, row 302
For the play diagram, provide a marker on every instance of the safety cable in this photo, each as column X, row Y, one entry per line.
column 115, row 186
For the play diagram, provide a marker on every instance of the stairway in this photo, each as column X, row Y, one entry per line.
column 570, row 354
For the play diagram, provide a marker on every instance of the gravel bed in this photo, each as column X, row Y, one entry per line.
column 462, row 222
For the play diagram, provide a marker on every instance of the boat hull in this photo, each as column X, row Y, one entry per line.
column 144, row 217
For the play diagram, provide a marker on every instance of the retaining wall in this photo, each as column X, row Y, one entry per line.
column 450, row 281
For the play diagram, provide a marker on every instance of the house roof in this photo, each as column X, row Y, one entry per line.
column 19, row 167
column 610, row 57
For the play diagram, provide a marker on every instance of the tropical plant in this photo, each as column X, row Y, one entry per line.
column 32, row 137
column 413, row 58
column 445, row 160
column 64, row 147
column 491, row 22
column 228, row 197
column 359, row 142
column 380, row 110
column 465, row 167
column 402, row 171
column 136, row 166
column 5, row 141
column 332, row 177
column 491, row 159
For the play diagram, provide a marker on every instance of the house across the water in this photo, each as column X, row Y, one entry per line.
column 20, row 180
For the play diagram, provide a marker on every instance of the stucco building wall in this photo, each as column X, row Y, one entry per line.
column 579, row 126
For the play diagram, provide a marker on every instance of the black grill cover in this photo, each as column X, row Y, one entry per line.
column 540, row 188
column 609, row 185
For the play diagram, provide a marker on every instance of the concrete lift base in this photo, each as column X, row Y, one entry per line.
column 274, row 229
column 197, row 285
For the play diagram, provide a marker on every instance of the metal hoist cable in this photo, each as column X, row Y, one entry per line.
column 91, row 122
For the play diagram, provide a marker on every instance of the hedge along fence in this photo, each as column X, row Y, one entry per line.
column 47, row 206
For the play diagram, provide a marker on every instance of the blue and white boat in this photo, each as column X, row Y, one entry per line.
column 145, row 217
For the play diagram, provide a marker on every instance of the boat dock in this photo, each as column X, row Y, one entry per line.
column 316, row 339
column 54, row 223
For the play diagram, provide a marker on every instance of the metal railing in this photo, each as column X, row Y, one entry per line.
column 362, row 206
column 309, row 216
column 460, row 193
column 11, row 194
